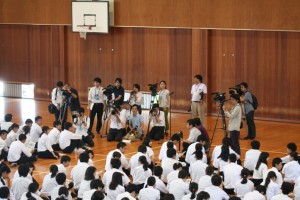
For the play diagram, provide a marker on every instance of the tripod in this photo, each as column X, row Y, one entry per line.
column 106, row 113
column 224, row 127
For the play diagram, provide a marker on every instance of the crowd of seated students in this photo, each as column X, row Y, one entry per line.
column 192, row 174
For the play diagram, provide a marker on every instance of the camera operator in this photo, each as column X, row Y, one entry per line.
column 72, row 99
column 118, row 93
column 82, row 124
column 118, row 120
column 57, row 98
column 158, row 118
column 199, row 90
column 249, row 110
column 96, row 104
column 136, row 98
column 235, row 118
column 164, row 101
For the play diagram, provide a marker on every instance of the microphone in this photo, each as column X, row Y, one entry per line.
column 171, row 93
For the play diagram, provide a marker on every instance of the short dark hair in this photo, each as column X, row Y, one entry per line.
column 234, row 198
column 292, row 146
column 276, row 161
column 65, row 158
column 261, row 189
column 59, row 84
column 226, row 141
column 4, row 192
column 2, row 132
column 116, row 154
column 198, row 155
column 89, row 173
column 96, row 183
column 23, row 170
column 45, row 129
column 4, row 168
column 171, row 153
column 232, row 158
column 197, row 121
column 201, row 138
column 157, row 171
column 168, row 196
column 60, row 178
column 81, row 110
column 63, row 191
column 56, row 123
column 170, row 145
column 209, row 170
column 131, row 188
column 84, row 157
column 8, row 117
column 216, row 180
column 22, row 137
column 118, row 80
column 28, row 121
column 236, row 97
column 244, row 84
column 97, row 195
column 68, row 125
column 134, row 105
column 151, row 181
column 115, row 163
column 97, row 79
column 37, row 118
column 142, row 148
column 255, row 144
column 183, row 174
column 155, row 106
column 203, row 195
column 287, row 188
column 137, row 86
column 177, row 166
column 175, row 137
column 199, row 77
column 191, row 122
column 121, row 145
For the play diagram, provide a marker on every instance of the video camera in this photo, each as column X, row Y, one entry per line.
column 108, row 91
column 153, row 89
column 219, row 97
column 236, row 89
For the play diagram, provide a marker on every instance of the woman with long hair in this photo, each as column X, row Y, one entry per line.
column 32, row 190
column 164, row 101
column 115, row 187
column 261, row 168
column 245, row 185
column 291, row 170
column 223, row 159
column 45, row 149
column 12, row 134
column 141, row 173
column 49, row 182
column 90, row 174
column 272, row 188
column 193, row 187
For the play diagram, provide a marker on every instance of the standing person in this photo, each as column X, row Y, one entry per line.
column 136, row 97
column 164, row 101
column 119, row 93
column 235, row 118
column 249, row 111
column 199, row 90
column 96, row 104
column 82, row 124
column 57, row 98
column 72, row 99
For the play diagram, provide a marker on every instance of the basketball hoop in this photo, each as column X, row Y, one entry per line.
column 83, row 35
column 83, row 30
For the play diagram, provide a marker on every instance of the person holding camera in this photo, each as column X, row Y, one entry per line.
column 117, row 120
column 158, row 119
column 57, row 98
column 235, row 118
column 118, row 93
column 72, row 99
column 249, row 110
column 199, row 90
column 96, row 105
column 136, row 121
column 82, row 124
column 136, row 98
column 164, row 101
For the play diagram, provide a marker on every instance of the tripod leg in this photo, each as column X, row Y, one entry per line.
column 213, row 134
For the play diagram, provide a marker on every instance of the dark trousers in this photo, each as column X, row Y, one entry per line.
column 3, row 155
column 256, row 182
column 251, row 125
column 234, row 137
column 47, row 154
column 74, row 144
column 115, row 134
column 97, row 109
column 88, row 140
column 56, row 147
column 57, row 115
column 139, row 187
column 229, row 191
column 156, row 133
column 185, row 146
column 24, row 159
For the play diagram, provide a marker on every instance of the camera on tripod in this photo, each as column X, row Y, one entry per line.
column 153, row 89
column 219, row 97
column 108, row 91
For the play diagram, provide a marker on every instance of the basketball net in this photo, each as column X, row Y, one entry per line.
column 83, row 30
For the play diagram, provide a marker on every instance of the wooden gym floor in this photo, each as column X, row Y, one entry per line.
column 273, row 135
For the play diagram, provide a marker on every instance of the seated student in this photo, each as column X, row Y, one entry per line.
column 173, row 175
column 36, row 129
column 131, row 192
column 272, row 188
column 65, row 161
column 82, row 125
column 159, row 184
column 141, row 173
column 147, row 142
column 215, row 191
column 257, row 194
column 291, row 170
column 204, row 132
column 297, row 190
column 98, row 196
column 290, row 147
column 29, row 176
column 117, row 120
column 18, row 153
column 3, row 146
column 244, row 186
column 32, row 192
column 68, row 141
column 286, row 188
column 203, row 196
column 134, row 160
column 193, row 187
column 121, row 148
column 63, row 193
column 197, row 169
column 194, row 133
column 115, row 187
column 44, row 146
column 180, row 187
column 28, row 143
column 12, row 134
column 20, row 185
column 205, row 181
column 4, row 193
column 277, row 167
column 49, row 182
column 223, row 160
column 4, row 176
column 158, row 119
column 78, row 171
column 232, row 174
column 7, row 122
column 91, row 156
column 28, row 122
column 150, row 192
column 90, row 174
column 136, row 120
column 252, row 155
column 167, row 164
column 198, row 147
column 260, row 169
column 189, row 157
column 60, row 179
column 54, row 135
column 95, row 185
column 163, row 150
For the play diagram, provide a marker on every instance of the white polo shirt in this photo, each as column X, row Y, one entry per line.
column 216, row 193
column 48, row 185
column 87, row 195
column 204, row 182
column 167, row 165
column 82, row 128
column 96, row 96
column 251, row 158
column 54, row 136
column 107, row 177
column 125, row 195
column 197, row 170
column 78, row 173
column 139, row 175
column 115, row 124
column 134, row 160
column 282, row 197
column 56, row 97
column 44, row 143
column 112, row 194
column 255, row 195
column 149, row 193
column 84, row 186
column 216, row 153
column 35, row 132
column 194, row 133
column 232, row 174
column 54, row 193
column 11, row 137
column 279, row 179
column 3, row 146
column 291, row 170
column 242, row 189
column 124, row 160
column 19, row 186
column 15, row 151
column 260, row 172
column 161, row 116
column 163, row 150
column 66, row 137
column 196, row 90
column 179, row 188
column 138, row 100
column 159, row 185
column 272, row 190
column 6, row 125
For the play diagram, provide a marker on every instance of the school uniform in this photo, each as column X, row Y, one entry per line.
column 87, row 195
column 242, row 189
column 167, row 165
column 18, row 153
column 117, row 129
column 11, row 137
column 204, row 182
column 286, row 159
column 221, row 164
column 259, row 174
column 57, row 100
column 69, row 141
column 216, row 193
column 232, row 174
column 159, row 185
column 29, row 144
column 54, row 139
column 157, row 131
column 3, row 150
column 216, row 153
column 188, row 197
column 279, row 179
column 124, row 161
column 172, row 176
column 163, row 150
column 61, row 169
column 54, row 194
column 291, row 171
column 45, row 148
column 197, row 170
column 112, row 194
column 139, row 176
column 134, row 160
column 149, row 193
column 82, row 129
column 84, row 186
column 6, row 125
column 49, row 183
column 190, row 157
column 150, row 152
column 35, row 132
column 90, row 162
column 194, row 133
column 19, row 186
column 179, row 188
column 124, row 195
column 78, row 173
column 272, row 189
column 297, row 192
column 17, row 175
column 255, row 195
column 24, row 197
column 251, row 158
column 281, row 197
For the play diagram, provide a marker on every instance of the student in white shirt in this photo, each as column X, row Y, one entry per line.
column 36, row 129
column 54, row 135
column 65, row 161
column 12, row 134
column 136, row 97
column 232, row 174
column 131, row 192
column 63, row 193
column 205, row 181
column 158, row 118
column 115, row 186
column 291, row 170
column 7, row 122
column 28, row 122
column 290, row 147
column 44, row 146
column 3, row 146
column 215, row 190
column 90, row 174
column 134, row 160
column 223, row 159
column 257, row 194
column 150, row 153
column 49, row 182
column 251, row 156
column 163, row 150
column 4, row 193
column 159, row 184
column 121, row 148
column 78, row 171
column 20, row 185
column 28, row 143
column 286, row 188
column 180, row 187
column 33, row 192
column 193, row 187
column 194, row 133
column 272, row 188
column 173, row 175
column 149, row 192
column 4, row 176
column 57, row 98
column 18, row 152
column 117, row 119
column 197, row 169
column 244, row 186
column 69, row 141
column 82, row 124
column 60, row 179
column 95, row 185
column 277, row 167
column 261, row 168
column 141, row 173
column 189, row 157
column 203, row 196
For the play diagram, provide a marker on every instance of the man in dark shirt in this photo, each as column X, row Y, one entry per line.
column 118, row 93
column 73, row 100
